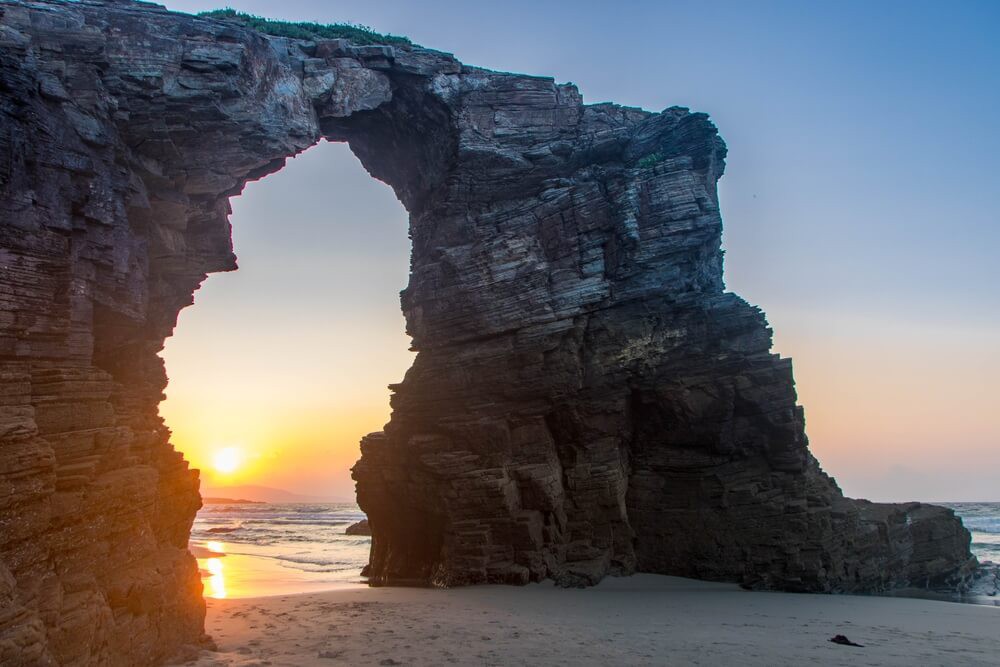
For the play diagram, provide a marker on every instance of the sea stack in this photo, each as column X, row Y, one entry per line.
column 587, row 398
column 360, row 528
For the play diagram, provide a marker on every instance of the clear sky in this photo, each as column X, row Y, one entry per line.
column 859, row 205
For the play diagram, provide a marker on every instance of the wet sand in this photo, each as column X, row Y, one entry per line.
column 640, row 620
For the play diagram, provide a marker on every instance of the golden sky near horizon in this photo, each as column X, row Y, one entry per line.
column 280, row 367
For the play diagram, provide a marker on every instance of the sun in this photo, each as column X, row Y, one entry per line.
column 227, row 460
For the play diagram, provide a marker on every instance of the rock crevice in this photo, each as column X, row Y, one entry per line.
column 586, row 400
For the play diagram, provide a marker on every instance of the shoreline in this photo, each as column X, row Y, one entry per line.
column 254, row 568
column 639, row 620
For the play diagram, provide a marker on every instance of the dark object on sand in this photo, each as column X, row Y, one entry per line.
column 843, row 641
column 359, row 528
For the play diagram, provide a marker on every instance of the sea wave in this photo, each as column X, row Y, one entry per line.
column 979, row 517
column 317, row 563
column 321, row 517
column 989, row 525
column 264, row 536
column 312, row 533
column 316, row 560
column 281, row 524
column 309, row 521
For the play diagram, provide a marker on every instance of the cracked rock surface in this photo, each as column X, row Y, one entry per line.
column 587, row 399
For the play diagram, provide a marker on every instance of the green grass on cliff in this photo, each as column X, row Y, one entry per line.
column 650, row 160
column 359, row 34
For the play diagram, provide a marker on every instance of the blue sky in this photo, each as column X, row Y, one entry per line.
column 858, row 203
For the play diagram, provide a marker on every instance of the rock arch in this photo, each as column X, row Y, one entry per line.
column 586, row 399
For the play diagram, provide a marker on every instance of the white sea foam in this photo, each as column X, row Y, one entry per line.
column 983, row 521
column 305, row 537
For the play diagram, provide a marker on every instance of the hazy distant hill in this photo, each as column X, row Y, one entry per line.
column 219, row 500
column 264, row 494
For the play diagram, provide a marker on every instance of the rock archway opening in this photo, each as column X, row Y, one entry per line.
column 285, row 362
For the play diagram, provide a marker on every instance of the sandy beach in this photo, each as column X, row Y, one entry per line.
column 640, row 620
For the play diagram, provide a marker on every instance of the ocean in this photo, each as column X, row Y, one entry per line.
column 983, row 521
column 277, row 549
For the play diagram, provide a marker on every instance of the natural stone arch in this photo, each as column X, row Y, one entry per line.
column 586, row 399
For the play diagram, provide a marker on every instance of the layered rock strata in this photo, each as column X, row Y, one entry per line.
column 586, row 398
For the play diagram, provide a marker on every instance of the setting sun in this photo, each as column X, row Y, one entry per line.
column 227, row 460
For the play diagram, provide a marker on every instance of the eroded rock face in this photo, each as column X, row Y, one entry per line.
column 359, row 528
column 587, row 399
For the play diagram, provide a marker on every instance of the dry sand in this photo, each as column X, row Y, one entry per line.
column 640, row 620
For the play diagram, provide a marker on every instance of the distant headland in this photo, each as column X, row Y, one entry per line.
column 213, row 500
column 251, row 493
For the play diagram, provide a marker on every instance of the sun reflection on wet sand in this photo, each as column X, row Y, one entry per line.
column 228, row 572
column 215, row 584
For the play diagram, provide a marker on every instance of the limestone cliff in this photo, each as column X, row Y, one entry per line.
column 587, row 399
